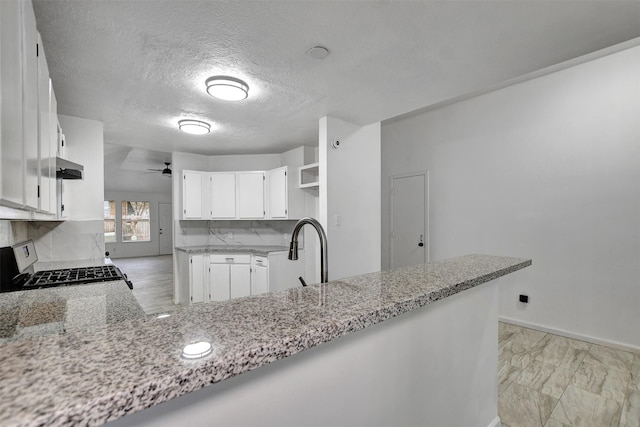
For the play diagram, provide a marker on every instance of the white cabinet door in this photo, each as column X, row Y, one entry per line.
column 196, row 279
column 192, row 182
column 44, row 133
column 219, row 282
column 12, row 158
column 259, row 279
column 240, row 280
column 30, row 104
column 223, row 194
column 250, row 195
column 277, row 193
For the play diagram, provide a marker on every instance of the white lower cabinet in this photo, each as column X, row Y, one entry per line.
column 240, row 279
column 260, row 275
column 229, row 276
column 197, row 286
column 220, row 277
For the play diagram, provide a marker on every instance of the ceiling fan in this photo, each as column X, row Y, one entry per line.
column 165, row 172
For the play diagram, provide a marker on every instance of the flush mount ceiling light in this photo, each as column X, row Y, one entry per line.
column 227, row 88
column 194, row 127
column 196, row 350
column 318, row 52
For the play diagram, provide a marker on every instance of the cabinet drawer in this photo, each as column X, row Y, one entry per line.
column 230, row 258
column 260, row 261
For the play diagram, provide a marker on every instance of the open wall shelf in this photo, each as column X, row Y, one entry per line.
column 308, row 176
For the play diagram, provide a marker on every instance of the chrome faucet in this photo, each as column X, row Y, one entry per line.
column 293, row 246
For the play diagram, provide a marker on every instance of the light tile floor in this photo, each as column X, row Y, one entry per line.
column 546, row 380
column 152, row 279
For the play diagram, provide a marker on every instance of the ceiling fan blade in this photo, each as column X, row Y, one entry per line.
column 155, row 170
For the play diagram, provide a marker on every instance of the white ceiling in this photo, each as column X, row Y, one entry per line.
column 140, row 66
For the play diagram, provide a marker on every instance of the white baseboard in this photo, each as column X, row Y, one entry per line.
column 495, row 422
column 572, row 335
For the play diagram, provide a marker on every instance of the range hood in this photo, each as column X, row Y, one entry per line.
column 68, row 170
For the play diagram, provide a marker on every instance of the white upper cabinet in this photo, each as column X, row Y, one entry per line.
column 46, row 136
column 27, row 109
column 222, row 195
column 250, row 195
column 30, row 104
column 11, row 148
column 277, row 193
column 192, row 186
column 54, row 136
column 273, row 194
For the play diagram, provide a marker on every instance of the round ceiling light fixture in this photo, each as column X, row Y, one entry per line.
column 194, row 127
column 318, row 52
column 196, row 350
column 227, row 88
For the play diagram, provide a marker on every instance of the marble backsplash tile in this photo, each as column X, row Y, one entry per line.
column 233, row 233
column 67, row 240
column 12, row 232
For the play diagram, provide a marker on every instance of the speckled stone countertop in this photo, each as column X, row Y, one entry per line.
column 37, row 312
column 254, row 249
column 89, row 378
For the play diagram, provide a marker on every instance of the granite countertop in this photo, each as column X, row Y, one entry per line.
column 89, row 378
column 254, row 249
column 38, row 312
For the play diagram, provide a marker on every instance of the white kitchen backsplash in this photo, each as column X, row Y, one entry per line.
column 12, row 232
column 67, row 240
column 233, row 233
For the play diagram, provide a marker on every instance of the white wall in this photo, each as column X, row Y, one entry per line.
column 547, row 169
column 350, row 196
column 122, row 249
column 244, row 162
column 84, row 142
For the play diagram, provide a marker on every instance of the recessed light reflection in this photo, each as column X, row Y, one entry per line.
column 196, row 350
column 163, row 316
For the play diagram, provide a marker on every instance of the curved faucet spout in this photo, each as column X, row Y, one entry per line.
column 293, row 246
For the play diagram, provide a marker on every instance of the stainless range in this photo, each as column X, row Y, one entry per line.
column 16, row 271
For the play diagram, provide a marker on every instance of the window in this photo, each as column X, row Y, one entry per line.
column 135, row 222
column 109, row 221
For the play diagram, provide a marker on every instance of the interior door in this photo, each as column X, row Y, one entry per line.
column 409, row 240
column 164, row 232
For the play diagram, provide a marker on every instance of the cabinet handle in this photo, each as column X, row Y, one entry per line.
column 229, row 259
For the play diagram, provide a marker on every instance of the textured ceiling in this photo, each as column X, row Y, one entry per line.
column 140, row 66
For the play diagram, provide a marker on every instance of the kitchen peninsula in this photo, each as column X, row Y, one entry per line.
column 401, row 347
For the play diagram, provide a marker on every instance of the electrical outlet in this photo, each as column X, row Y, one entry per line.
column 523, row 298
